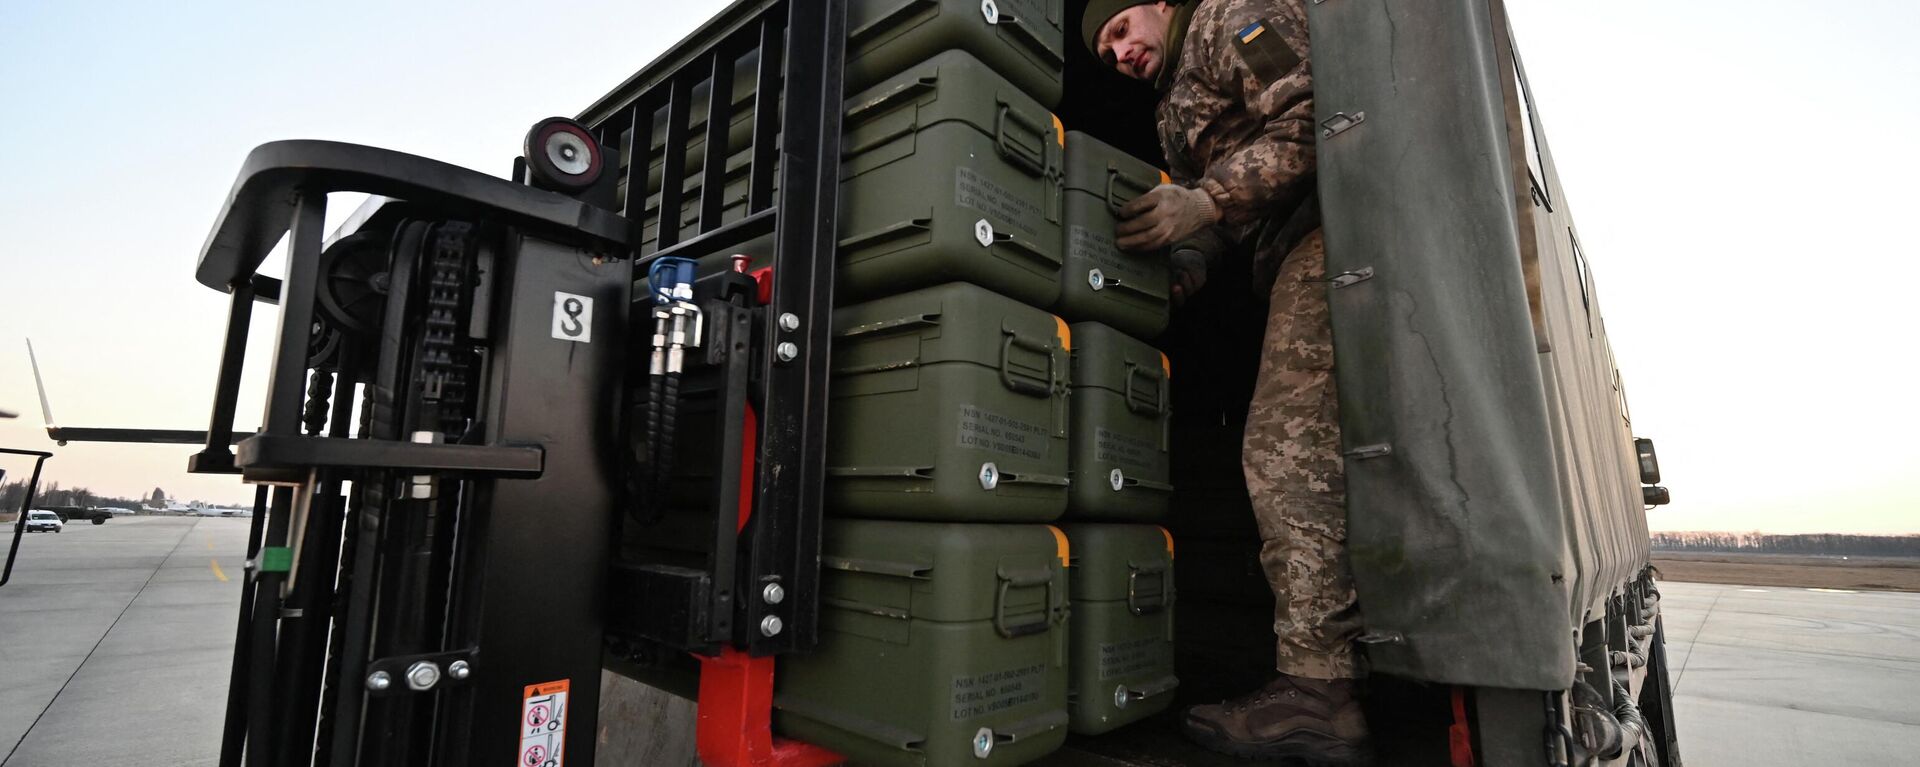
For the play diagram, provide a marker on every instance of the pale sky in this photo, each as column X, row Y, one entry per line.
column 1740, row 172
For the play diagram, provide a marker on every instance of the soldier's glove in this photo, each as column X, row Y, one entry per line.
column 1190, row 261
column 1166, row 214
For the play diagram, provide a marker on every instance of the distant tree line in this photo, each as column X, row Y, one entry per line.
column 51, row 494
column 1816, row 544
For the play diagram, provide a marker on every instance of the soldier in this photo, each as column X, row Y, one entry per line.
column 1236, row 122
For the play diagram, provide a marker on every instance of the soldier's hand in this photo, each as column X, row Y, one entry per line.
column 1190, row 261
column 1163, row 216
column 1189, row 271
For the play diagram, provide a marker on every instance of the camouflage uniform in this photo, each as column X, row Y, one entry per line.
column 1236, row 121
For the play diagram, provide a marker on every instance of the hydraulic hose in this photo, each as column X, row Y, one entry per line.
column 669, row 409
column 675, row 324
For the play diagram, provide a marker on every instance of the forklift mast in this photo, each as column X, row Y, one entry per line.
column 476, row 394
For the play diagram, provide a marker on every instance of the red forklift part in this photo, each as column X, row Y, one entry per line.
column 748, row 444
column 1459, row 735
column 763, row 277
column 735, row 727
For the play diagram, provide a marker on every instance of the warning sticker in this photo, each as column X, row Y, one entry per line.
column 543, row 725
column 987, row 430
column 997, row 691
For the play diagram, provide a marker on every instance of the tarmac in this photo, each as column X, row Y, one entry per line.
column 1789, row 676
column 116, row 640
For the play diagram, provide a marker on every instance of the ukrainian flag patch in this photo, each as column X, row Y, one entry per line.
column 1269, row 56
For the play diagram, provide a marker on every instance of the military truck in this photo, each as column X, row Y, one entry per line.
column 94, row 514
column 520, row 429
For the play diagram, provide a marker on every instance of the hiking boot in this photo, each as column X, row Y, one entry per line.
column 1313, row 721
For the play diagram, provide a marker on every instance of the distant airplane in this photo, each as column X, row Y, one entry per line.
column 65, row 434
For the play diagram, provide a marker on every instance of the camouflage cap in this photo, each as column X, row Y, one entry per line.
column 1098, row 12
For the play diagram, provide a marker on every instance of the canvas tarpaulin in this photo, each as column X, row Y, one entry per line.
column 1457, row 531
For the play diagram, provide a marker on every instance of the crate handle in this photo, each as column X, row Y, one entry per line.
column 867, row 608
column 889, row 19
column 1129, row 286
column 1164, row 599
column 1025, row 580
column 1025, row 35
column 912, row 321
column 892, row 96
column 880, row 472
column 1022, row 385
column 1146, row 484
column 882, row 139
column 1156, row 401
column 1161, row 686
column 892, row 231
column 877, row 566
column 1026, row 249
column 1029, row 478
column 1032, row 159
column 1031, row 727
column 1116, row 179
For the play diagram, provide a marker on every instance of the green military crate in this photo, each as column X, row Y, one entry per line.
column 1098, row 281
column 949, row 172
column 1121, row 635
column 948, row 403
column 1021, row 39
column 940, row 644
column 1119, row 426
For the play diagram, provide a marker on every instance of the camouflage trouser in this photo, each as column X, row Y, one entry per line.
column 1291, row 457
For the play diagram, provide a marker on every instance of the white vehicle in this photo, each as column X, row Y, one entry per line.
column 39, row 521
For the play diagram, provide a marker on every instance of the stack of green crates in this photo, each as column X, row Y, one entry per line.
column 984, row 388
column 941, row 644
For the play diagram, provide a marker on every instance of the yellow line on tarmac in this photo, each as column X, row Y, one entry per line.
column 215, row 564
column 209, row 544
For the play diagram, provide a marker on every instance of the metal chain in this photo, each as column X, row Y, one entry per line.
column 444, row 366
column 319, row 400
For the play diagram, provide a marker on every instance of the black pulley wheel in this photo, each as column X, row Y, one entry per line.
column 324, row 342
column 353, row 282
column 563, row 156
